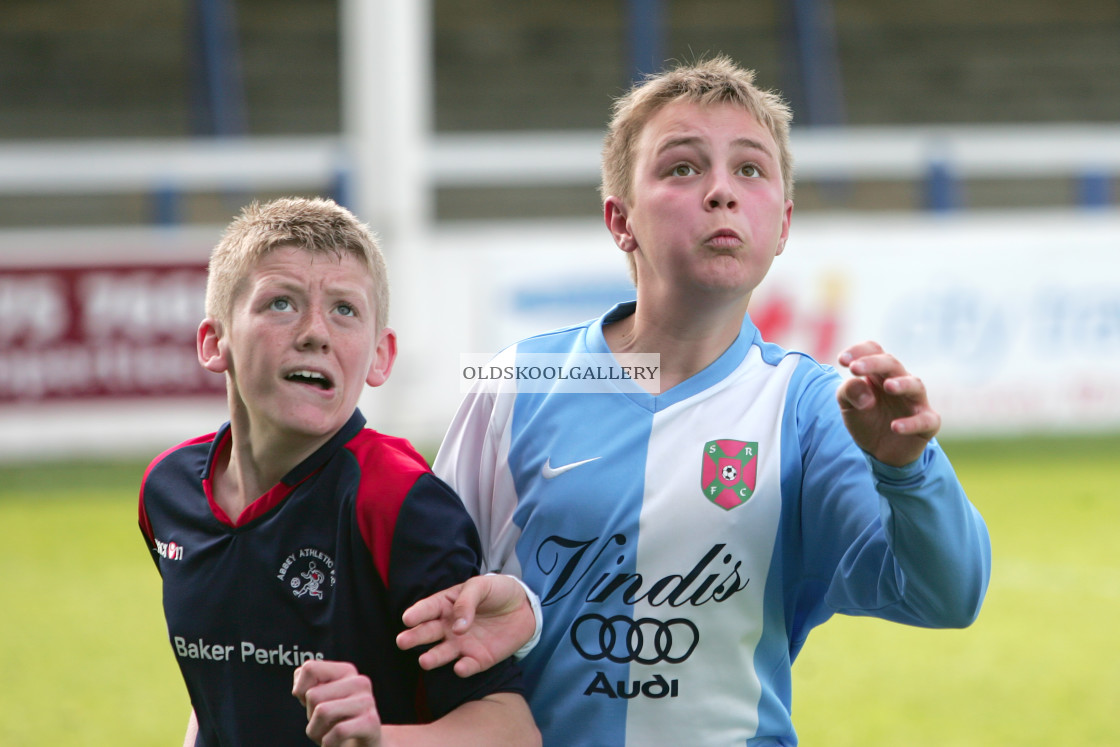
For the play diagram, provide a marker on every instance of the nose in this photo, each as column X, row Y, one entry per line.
column 720, row 193
column 313, row 332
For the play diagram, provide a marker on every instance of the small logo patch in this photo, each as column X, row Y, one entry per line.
column 548, row 471
column 308, row 573
column 729, row 472
column 170, row 550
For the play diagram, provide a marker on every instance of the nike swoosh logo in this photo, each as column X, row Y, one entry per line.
column 548, row 471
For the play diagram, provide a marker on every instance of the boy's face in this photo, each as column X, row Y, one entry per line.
column 707, row 211
column 300, row 343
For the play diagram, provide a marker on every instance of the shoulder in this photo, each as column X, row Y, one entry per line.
column 562, row 337
column 395, row 489
column 811, row 419
column 804, row 371
column 809, row 387
column 388, row 466
column 176, row 472
column 553, row 340
column 371, row 445
column 391, row 460
column 811, row 374
column 185, row 451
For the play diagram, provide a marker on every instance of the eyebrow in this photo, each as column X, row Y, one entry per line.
column 688, row 140
column 335, row 290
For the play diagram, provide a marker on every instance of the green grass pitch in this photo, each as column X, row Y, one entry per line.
column 84, row 658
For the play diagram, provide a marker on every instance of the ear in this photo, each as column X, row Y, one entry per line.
column 614, row 215
column 212, row 353
column 787, row 216
column 383, row 356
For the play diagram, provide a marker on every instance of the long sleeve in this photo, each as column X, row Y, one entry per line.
column 900, row 543
column 473, row 461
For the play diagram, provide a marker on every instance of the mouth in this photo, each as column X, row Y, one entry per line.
column 724, row 238
column 310, row 378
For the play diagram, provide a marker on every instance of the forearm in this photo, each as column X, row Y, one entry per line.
column 899, row 543
column 501, row 718
column 938, row 538
column 192, row 731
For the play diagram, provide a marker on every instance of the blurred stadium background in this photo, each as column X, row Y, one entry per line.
column 956, row 166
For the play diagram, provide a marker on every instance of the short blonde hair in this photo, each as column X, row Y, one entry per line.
column 715, row 81
column 316, row 225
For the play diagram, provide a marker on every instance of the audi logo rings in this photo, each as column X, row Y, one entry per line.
column 646, row 641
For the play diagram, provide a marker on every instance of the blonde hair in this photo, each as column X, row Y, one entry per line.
column 316, row 225
column 715, row 81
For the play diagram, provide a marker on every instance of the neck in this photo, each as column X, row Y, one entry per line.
column 237, row 483
column 687, row 341
column 254, row 463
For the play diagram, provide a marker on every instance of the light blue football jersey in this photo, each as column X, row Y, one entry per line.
column 684, row 544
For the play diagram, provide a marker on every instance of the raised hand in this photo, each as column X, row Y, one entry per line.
column 885, row 408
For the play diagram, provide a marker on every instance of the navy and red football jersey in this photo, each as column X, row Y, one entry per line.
column 321, row 566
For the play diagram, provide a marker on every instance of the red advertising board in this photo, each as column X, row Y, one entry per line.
column 102, row 331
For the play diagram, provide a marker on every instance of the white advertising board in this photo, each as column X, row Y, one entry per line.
column 1011, row 319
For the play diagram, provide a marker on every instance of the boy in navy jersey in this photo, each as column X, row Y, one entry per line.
column 684, row 540
column 291, row 540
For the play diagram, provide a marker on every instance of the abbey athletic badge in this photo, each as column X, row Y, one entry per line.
column 729, row 472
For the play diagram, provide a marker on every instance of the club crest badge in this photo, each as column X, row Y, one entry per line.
column 308, row 573
column 729, row 472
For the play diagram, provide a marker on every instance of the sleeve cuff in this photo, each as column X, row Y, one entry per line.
column 535, row 604
column 907, row 472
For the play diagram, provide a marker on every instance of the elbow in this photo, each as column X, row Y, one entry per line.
column 959, row 602
column 976, row 589
column 969, row 608
column 963, row 615
column 961, row 608
column 949, row 612
column 949, row 598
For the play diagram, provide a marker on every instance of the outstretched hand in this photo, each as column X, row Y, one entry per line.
column 475, row 624
column 885, row 408
column 341, row 711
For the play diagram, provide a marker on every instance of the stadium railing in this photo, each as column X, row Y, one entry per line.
column 937, row 156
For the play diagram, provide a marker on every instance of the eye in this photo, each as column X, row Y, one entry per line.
column 346, row 309
column 280, row 304
column 682, row 169
column 749, row 170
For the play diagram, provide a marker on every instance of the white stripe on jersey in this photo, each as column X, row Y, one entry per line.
column 678, row 523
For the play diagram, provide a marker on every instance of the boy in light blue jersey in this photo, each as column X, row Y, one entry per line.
column 683, row 542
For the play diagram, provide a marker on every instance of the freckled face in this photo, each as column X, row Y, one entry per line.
column 302, row 342
column 707, row 211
